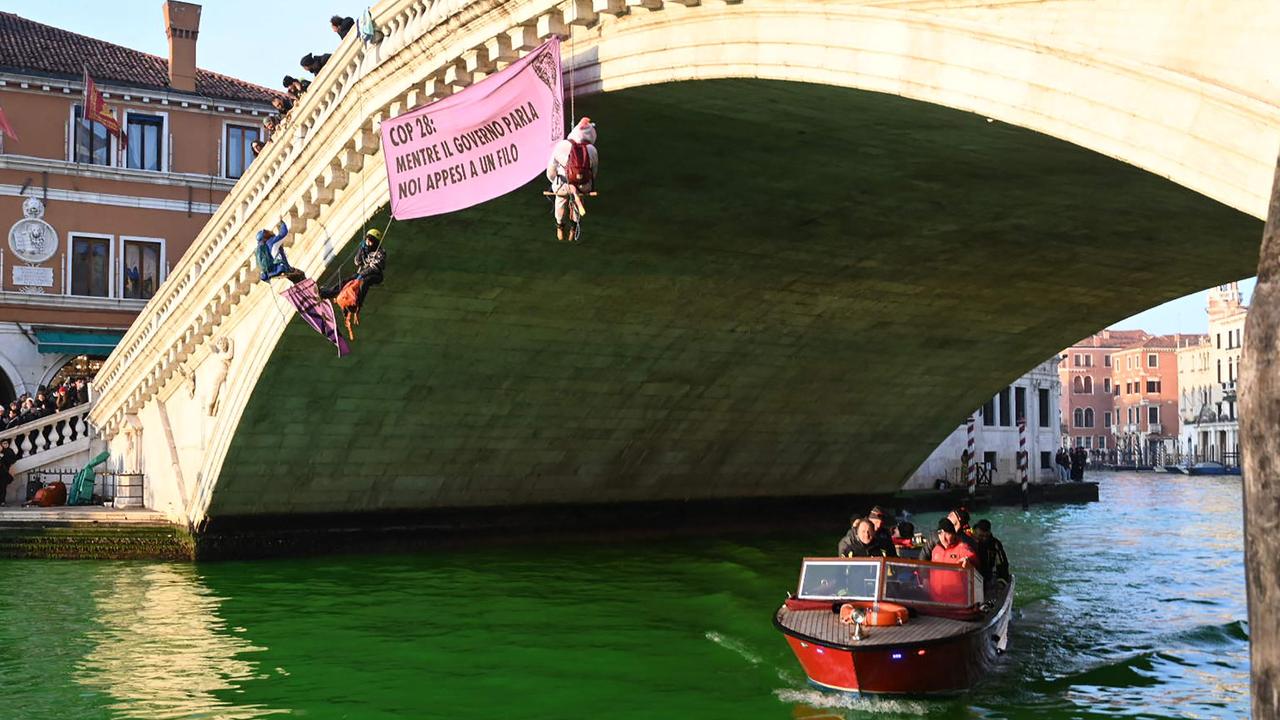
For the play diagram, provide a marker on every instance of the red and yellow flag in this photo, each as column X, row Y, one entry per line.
column 95, row 109
column 5, row 127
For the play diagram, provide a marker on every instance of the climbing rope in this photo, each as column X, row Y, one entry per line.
column 573, row 112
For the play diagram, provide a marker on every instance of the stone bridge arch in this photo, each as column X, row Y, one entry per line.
column 798, row 65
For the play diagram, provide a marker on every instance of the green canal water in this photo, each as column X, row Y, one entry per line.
column 1132, row 607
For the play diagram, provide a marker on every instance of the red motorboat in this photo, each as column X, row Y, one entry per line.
column 895, row 626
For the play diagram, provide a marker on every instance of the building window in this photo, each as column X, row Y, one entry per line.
column 1102, row 442
column 239, row 150
column 1088, row 417
column 91, row 145
column 145, row 150
column 142, row 268
column 1153, row 386
column 1088, row 361
column 1088, row 385
column 1077, row 361
column 1042, row 402
column 1153, row 360
column 1106, row 360
column 1106, row 419
column 1020, row 403
column 1130, row 413
column 1006, row 416
column 1088, row 442
column 1045, row 460
column 90, row 262
column 989, row 413
column 1106, row 386
column 1153, row 415
column 1128, row 388
column 1218, row 340
column 1219, row 369
column 1077, row 418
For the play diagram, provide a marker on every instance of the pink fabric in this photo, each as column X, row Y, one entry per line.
column 317, row 313
column 483, row 142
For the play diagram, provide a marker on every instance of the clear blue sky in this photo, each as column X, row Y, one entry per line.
column 1186, row 314
column 256, row 40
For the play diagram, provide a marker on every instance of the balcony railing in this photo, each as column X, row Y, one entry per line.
column 41, row 436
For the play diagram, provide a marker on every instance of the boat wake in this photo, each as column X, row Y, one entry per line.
column 880, row 707
column 734, row 646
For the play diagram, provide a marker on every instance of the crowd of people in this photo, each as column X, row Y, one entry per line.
column 294, row 87
column 1070, row 463
column 28, row 408
column 955, row 542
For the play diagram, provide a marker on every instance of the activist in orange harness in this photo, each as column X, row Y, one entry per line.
column 349, row 294
column 572, row 170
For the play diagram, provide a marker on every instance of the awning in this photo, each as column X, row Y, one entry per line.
column 77, row 342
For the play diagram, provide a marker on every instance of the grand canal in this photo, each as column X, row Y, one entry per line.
column 1131, row 607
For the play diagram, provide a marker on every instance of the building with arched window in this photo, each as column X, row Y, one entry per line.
column 1087, row 368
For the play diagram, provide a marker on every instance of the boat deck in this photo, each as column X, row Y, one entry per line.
column 824, row 626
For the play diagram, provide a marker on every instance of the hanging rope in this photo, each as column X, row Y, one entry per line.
column 573, row 112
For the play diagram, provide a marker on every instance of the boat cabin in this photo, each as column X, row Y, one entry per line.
column 915, row 583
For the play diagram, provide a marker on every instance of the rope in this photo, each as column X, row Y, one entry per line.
column 573, row 112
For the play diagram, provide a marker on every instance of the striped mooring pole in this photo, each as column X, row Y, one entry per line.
column 1022, row 457
column 972, row 471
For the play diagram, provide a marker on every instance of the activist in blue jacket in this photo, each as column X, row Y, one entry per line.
column 272, row 262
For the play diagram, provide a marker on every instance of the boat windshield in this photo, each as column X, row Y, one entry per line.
column 932, row 584
column 912, row 582
column 839, row 579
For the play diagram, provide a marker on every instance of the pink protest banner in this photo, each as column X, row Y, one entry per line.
column 317, row 313
column 483, row 142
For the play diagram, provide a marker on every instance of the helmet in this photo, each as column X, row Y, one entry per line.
column 375, row 233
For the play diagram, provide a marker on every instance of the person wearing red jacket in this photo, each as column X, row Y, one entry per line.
column 950, row 587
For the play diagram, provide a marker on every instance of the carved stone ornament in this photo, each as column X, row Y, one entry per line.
column 32, row 239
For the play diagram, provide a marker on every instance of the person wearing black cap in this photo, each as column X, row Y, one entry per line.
column 314, row 63
column 995, row 562
column 341, row 25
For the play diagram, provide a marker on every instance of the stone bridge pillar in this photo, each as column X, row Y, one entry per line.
column 1260, row 443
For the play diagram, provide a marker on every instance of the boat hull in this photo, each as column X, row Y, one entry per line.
column 946, row 666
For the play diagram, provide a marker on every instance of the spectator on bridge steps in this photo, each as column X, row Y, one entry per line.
column 314, row 63
column 341, row 25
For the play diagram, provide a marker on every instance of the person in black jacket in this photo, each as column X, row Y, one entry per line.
column 371, row 262
column 294, row 87
column 314, row 63
column 341, row 25
column 862, row 541
column 991, row 551
column 7, row 458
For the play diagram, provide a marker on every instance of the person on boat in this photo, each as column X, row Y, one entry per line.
column 904, row 539
column 862, row 541
column 572, row 170
column 882, row 521
column 991, row 550
column 272, row 262
column 950, row 587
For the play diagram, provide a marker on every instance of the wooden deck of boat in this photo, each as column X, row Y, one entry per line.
column 825, row 626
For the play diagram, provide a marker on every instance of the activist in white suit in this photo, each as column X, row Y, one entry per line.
column 572, row 170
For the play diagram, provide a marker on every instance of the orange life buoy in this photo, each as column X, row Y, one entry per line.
column 874, row 614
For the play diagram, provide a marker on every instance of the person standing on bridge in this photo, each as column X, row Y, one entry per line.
column 572, row 170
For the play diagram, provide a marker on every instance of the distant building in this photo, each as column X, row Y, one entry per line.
column 1210, row 425
column 1034, row 396
column 90, row 226
column 1088, row 390
column 1145, row 378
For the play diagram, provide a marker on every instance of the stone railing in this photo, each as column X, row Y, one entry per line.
column 32, row 439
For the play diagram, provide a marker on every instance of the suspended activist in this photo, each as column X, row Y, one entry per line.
column 349, row 294
column 271, row 259
column 572, row 170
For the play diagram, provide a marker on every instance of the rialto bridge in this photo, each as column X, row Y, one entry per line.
column 827, row 231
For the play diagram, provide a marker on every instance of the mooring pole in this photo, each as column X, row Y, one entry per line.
column 1260, row 445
